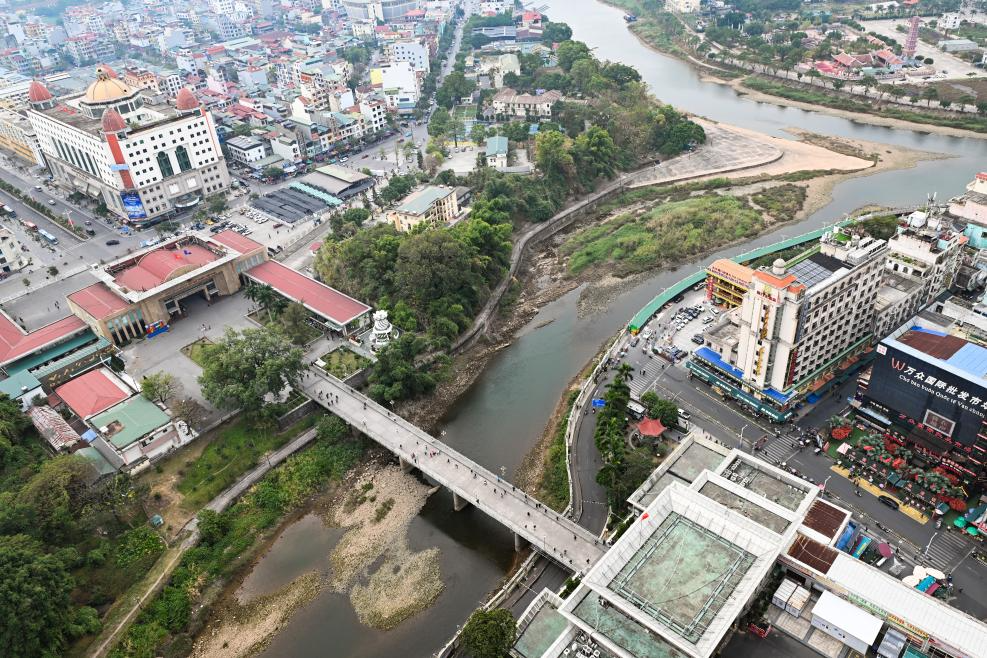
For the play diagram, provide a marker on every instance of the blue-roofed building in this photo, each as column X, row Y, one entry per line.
column 496, row 151
column 928, row 388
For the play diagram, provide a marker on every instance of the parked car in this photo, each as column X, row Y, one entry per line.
column 889, row 501
column 112, row 243
column 684, row 415
column 51, row 202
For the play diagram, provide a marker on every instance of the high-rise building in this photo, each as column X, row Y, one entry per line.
column 145, row 160
column 796, row 324
column 379, row 10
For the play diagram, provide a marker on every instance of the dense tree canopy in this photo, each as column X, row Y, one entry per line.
column 35, row 610
column 489, row 633
column 244, row 367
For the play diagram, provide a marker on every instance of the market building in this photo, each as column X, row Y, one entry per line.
column 144, row 160
column 928, row 389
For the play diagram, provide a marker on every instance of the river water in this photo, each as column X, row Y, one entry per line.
column 501, row 417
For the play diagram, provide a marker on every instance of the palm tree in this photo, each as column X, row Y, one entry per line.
column 624, row 371
column 266, row 297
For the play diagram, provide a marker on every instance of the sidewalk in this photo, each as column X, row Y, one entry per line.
column 875, row 490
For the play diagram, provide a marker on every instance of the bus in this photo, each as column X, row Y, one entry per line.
column 48, row 237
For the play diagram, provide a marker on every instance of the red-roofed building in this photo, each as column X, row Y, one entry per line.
column 137, row 295
column 338, row 311
column 15, row 343
column 93, row 392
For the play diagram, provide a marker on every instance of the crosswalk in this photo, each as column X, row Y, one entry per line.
column 946, row 550
column 643, row 382
column 777, row 450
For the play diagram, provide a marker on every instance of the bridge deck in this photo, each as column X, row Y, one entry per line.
column 550, row 532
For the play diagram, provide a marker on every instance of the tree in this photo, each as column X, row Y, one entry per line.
column 553, row 157
column 929, row 94
column 455, row 87
column 217, row 204
column 13, row 422
column 982, row 108
column 456, row 129
column 489, row 633
column 438, row 125
column 478, row 133
column 395, row 375
column 554, row 32
column 266, row 296
column 294, row 321
column 51, row 501
column 570, row 51
column 188, row 410
column 159, row 386
column 34, row 599
column 244, row 368
column 664, row 410
column 272, row 171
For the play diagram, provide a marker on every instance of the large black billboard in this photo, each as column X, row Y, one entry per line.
column 936, row 400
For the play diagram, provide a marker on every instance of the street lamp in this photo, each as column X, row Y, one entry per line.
column 740, row 443
column 925, row 553
column 822, row 487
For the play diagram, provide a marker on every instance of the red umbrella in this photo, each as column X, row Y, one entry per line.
column 885, row 549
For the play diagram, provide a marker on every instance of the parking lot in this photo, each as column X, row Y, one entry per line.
column 676, row 330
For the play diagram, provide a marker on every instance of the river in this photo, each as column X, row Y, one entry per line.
column 501, row 417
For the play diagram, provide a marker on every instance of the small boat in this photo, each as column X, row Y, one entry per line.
column 630, row 18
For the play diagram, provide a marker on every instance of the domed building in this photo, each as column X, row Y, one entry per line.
column 147, row 160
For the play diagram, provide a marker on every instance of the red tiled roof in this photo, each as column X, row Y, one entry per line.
column 98, row 301
column 14, row 343
column 92, row 393
column 239, row 243
column 156, row 267
column 318, row 297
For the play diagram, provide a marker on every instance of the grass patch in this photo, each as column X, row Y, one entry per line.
column 343, row 362
column 383, row 509
column 670, row 232
column 554, row 486
column 782, row 202
column 163, row 627
column 828, row 99
column 229, row 455
column 196, row 351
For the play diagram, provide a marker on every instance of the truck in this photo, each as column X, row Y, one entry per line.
column 8, row 211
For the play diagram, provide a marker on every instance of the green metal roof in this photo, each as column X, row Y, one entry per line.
column 419, row 202
column 102, row 466
column 18, row 383
column 137, row 417
column 100, row 344
column 496, row 145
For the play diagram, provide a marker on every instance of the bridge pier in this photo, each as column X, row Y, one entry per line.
column 406, row 466
column 458, row 503
column 519, row 543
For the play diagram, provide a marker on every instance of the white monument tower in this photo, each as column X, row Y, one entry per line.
column 384, row 331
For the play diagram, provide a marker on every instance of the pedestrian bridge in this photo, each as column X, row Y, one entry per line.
column 549, row 532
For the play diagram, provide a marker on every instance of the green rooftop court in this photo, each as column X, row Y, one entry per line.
column 683, row 575
column 538, row 634
column 130, row 420
column 621, row 629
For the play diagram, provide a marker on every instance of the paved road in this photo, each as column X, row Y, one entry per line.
column 549, row 532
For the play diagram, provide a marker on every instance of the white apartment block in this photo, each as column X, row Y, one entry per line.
column 374, row 113
column 400, row 86
column 496, row 6
column 145, row 160
column 412, row 51
column 246, row 149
